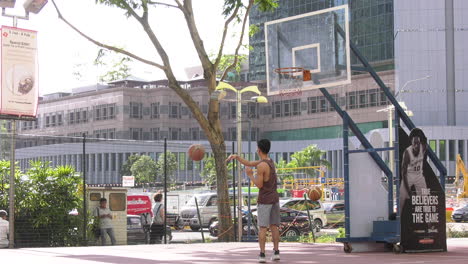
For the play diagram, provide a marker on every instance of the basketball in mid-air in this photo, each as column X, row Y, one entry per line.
column 314, row 193
column 196, row 152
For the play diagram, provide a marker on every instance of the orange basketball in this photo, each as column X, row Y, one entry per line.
column 314, row 193
column 196, row 152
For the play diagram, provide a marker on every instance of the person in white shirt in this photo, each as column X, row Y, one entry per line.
column 157, row 227
column 4, row 229
column 105, row 221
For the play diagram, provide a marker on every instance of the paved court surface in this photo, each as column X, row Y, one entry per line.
column 225, row 253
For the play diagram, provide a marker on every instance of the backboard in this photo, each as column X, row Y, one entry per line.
column 310, row 42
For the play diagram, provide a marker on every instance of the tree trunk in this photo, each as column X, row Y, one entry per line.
column 225, row 227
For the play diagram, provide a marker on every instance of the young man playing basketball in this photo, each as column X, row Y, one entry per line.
column 268, row 198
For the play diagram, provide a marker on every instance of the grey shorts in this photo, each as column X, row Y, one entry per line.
column 268, row 214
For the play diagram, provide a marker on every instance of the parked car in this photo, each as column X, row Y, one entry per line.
column 334, row 211
column 293, row 223
column 208, row 207
column 138, row 233
column 316, row 210
column 460, row 214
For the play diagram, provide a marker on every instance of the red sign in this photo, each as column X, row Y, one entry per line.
column 138, row 204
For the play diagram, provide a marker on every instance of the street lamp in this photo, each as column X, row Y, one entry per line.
column 33, row 6
column 222, row 86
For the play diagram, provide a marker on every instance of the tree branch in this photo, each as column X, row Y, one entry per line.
column 226, row 26
column 163, row 4
column 197, row 41
column 102, row 45
column 236, row 53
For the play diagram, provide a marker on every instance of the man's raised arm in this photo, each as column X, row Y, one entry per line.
column 243, row 161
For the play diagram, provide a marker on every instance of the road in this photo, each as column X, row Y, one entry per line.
column 189, row 236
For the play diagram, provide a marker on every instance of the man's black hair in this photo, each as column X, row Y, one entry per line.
column 417, row 132
column 264, row 145
column 102, row 200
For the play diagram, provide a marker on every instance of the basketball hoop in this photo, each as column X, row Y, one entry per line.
column 295, row 73
column 290, row 80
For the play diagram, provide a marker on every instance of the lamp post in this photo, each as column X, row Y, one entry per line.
column 259, row 99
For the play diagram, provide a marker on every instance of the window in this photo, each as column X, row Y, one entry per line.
column 461, row 150
column 277, row 109
column 252, row 110
column 117, row 201
column 312, row 105
column 102, row 112
column 373, row 98
column 155, row 133
column 287, row 108
column 136, row 133
column 232, row 133
column 59, row 120
column 452, row 150
column 442, row 150
column 155, row 110
column 175, row 133
column 383, row 98
column 195, row 133
column 174, row 110
column 182, row 159
column 352, row 102
column 433, row 145
column 232, row 111
column 296, row 107
column 136, row 110
column 362, row 99
column 323, row 105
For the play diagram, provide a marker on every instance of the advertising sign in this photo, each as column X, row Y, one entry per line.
column 422, row 199
column 128, row 181
column 19, row 72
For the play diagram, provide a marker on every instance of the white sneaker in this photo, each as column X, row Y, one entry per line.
column 261, row 259
column 276, row 255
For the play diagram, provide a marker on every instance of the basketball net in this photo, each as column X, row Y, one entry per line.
column 290, row 80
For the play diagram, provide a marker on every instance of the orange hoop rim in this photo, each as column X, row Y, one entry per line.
column 289, row 70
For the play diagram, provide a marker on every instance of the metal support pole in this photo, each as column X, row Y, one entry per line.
column 396, row 177
column 239, row 171
column 346, row 175
column 234, row 193
column 165, row 190
column 12, row 184
column 392, row 163
column 249, row 215
column 85, row 211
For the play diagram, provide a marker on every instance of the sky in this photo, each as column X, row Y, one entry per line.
column 62, row 51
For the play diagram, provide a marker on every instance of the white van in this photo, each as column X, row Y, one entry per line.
column 208, row 207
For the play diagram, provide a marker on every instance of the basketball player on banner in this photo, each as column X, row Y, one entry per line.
column 268, row 199
column 412, row 167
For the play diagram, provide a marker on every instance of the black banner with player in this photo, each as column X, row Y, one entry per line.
column 422, row 199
